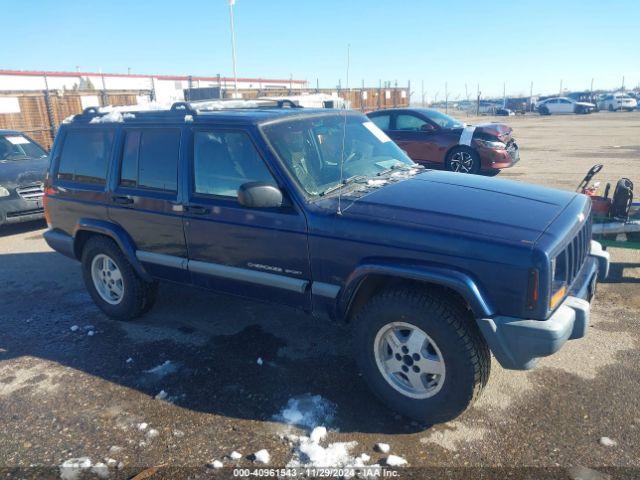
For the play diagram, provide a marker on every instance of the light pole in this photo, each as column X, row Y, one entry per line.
column 233, row 49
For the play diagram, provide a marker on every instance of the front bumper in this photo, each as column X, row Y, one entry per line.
column 16, row 210
column 518, row 343
column 496, row 159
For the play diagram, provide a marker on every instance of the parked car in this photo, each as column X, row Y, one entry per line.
column 560, row 105
column 505, row 112
column 618, row 101
column 434, row 139
column 23, row 164
column 320, row 210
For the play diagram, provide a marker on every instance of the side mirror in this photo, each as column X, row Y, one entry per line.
column 259, row 195
column 427, row 127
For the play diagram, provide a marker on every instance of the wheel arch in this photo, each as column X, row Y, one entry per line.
column 88, row 227
column 368, row 279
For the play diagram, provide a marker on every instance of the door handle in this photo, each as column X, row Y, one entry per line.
column 122, row 199
column 197, row 209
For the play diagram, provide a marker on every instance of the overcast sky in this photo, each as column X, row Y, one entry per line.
column 488, row 42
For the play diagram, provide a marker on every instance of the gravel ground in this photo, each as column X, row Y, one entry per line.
column 69, row 392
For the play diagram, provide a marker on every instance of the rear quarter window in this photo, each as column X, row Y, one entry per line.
column 85, row 156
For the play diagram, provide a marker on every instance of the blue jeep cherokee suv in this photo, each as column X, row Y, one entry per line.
column 320, row 210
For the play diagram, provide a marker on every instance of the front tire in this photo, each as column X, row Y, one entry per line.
column 463, row 160
column 113, row 284
column 421, row 353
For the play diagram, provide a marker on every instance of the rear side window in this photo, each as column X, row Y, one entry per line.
column 150, row 159
column 85, row 155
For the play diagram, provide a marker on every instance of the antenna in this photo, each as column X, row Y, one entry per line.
column 344, row 134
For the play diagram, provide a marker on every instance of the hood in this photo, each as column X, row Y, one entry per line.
column 14, row 173
column 500, row 130
column 471, row 205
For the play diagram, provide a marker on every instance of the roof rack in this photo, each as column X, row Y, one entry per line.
column 233, row 104
column 188, row 109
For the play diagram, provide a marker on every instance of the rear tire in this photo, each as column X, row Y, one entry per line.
column 452, row 346
column 113, row 284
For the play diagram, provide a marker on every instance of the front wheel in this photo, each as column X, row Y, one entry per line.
column 421, row 354
column 463, row 160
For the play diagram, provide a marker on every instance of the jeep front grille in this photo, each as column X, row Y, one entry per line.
column 570, row 260
column 34, row 191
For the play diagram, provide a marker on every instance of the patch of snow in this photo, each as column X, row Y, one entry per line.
column 376, row 183
column 128, row 116
column 216, row 464
column 72, row 468
column 188, row 118
column 101, row 470
column 262, row 456
column 152, row 433
column 383, row 447
column 607, row 442
column 161, row 395
column 91, row 333
column 143, row 426
column 395, row 461
column 69, row 119
column 260, row 361
column 129, row 360
column 364, row 457
column 74, row 328
column 163, row 369
column 307, row 411
column 235, row 455
column 318, row 434
column 111, row 117
column 312, row 454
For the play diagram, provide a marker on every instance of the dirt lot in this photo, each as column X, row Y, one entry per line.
column 74, row 383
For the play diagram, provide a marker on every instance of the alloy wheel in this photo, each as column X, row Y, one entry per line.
column 409, row 360
column 107, row 279
column 462, row 162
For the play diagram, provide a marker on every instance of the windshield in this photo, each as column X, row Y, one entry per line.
column 312, row 149
column 443, row 120
column 19, row 147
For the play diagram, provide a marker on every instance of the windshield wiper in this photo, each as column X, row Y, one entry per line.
column 348, row 181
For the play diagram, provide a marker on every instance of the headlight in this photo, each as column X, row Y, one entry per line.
column 4, row 192
column 490, row 144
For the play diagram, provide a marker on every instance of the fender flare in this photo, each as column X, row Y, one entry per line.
column 458, row 281
column 118, row 235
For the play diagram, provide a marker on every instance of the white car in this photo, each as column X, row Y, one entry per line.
column 557, row 105
column 617, row 101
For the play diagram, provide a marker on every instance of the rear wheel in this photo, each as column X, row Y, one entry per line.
column 113, row 284
column 421, row 354
column 463, row 160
